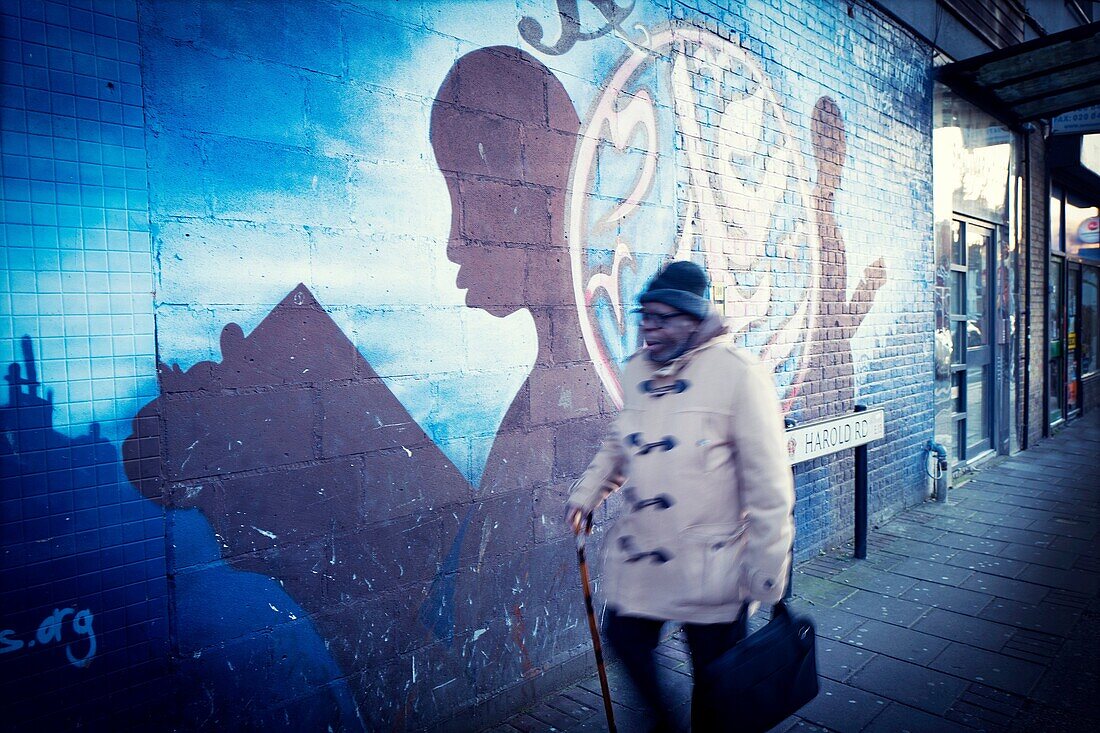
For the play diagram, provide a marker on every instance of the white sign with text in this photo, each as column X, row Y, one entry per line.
column 1079, row 121
column 817, row 439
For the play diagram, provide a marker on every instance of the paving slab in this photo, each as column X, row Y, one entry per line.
column 819, row 591
column 525, row 723
column 831, row 623
column 924, row 550
column 884, row 608
column 1079, row 546
column 842, row 707
column 572, row 708
column 1046, row 617
column 1033, row 646
column 989, row 668
column 1066, row 697
column 971, row 542
column 999, row 587
column 937, row 595
column 912, row 530
column 1028, row 537
column 995, row 506
column 797, row 725
column 935, row 572
column 584, row 697
column 976, row 632
column 1046, row 556
column 899, row 643
column 956, row 524
column 985, row 708
column 551, row 716
column 1067, row 527
column 874, row 580
column 838, row 661
column 1073, row 580
column 911, row 684
column 898, row 718
column 1005, row 520
column 1002, row 566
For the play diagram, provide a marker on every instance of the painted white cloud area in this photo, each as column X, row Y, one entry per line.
column 367, row 234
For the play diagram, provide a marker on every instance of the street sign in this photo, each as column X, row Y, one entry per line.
column 825, row 437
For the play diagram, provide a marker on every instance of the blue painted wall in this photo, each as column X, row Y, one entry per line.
column 324, row 303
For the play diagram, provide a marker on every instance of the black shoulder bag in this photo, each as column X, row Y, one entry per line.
column 764, row 679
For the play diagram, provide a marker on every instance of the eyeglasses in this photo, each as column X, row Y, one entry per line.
column 657, row 319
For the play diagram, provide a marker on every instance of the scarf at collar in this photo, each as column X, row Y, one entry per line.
column 708, row 332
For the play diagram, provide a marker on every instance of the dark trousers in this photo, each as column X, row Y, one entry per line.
column 634, row 640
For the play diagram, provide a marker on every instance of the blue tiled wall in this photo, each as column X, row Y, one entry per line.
column 82, row 573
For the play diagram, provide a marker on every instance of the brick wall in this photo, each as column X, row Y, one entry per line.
column 393, row 244
column 1034, row 400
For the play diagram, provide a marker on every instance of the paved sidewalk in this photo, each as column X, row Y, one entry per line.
column 980, row 614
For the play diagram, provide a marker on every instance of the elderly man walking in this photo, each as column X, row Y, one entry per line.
column 699, row 452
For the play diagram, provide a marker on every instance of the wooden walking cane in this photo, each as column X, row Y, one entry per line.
column 590, row 609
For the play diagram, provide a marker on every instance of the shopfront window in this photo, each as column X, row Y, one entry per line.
column 1082, row 231
column 1057, row 241
column 1090, row 324
column 1057, row 347
column 1073, row 404
column 1072, row 330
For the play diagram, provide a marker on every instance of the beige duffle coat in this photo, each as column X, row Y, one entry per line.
column 700, row 454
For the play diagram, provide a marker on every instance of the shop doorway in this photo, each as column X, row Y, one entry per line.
column 971, row 316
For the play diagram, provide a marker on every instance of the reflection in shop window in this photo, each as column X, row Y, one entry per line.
column 1090, row 325
column 1057, row 242
column 1082, row 231
column 1090, row 152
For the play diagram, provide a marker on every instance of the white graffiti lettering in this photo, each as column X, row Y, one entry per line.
column 52, row 631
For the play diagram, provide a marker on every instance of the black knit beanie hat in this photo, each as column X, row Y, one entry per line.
column 682, row 285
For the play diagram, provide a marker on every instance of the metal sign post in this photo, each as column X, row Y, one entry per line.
column 825, row 437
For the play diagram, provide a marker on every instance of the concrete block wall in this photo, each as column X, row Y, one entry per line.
column 392, row 249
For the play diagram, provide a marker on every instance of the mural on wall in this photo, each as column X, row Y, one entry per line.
column 463, row 583
column 744, row 211
column 391, row 310
column 290, row 446
column 503, row 131
column 838, row 315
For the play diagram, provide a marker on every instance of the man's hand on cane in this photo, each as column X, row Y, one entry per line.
column 580, row 520
column 574, row 517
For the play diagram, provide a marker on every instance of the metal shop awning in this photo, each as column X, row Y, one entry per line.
column 1036, row 79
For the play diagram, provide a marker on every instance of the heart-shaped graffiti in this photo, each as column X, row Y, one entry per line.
column 691, row 117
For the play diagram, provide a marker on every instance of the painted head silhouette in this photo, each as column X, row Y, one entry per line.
column 503, row 130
